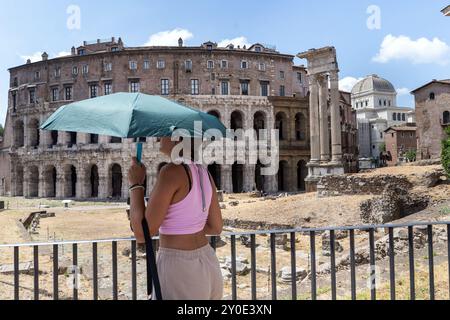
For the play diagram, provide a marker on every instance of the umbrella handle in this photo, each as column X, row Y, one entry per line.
column 139, row 152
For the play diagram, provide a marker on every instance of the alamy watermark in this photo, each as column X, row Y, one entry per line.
column 239, row 146
column 374, row 20
column 74, row 18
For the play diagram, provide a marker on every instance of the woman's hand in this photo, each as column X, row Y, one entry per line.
column 137, row 173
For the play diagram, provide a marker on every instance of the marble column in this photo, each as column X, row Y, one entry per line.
column 314, row 119
column 323, row 116
column 336, row 129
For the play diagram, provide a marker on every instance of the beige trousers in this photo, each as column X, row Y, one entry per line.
column 189, row 275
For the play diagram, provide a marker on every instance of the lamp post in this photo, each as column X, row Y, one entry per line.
column 446, row 11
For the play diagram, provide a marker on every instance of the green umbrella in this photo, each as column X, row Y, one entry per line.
column 130, row 115
column 133, row 115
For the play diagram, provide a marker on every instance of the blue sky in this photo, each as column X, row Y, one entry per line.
column 410, row 44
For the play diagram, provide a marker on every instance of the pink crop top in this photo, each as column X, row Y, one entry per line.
column 189, row 216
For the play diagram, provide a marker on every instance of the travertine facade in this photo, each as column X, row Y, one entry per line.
column 432, row 117
column 243, row 87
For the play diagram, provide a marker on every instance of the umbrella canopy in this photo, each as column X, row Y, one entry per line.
column 130, row 115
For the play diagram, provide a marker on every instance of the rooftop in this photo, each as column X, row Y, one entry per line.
column 446, row 11
column 373, row 83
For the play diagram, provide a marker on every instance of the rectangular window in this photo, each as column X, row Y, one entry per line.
column 85, row 69
column 282, row 91
column 68, row 93
column 107, row 66
column 134, row 86
column 55, row 94
column 75, row 70
column 188, row 65
column 224, row 86
column 108, row 88
column 224, row 64
column 244, row 88
column 195, row 90
column 261, row 66
column 244, row 64
column 161, row 64
column 14, row 101
column 114, row 49
column 282, row 75
column 81, row 52
column 299, row 77
column 146, row 64
column 264, row 89
column 213, row 90
column 37, row 75
column 93, row 90
column 210, row 64
column 164, row 87
column 32, row 95
column 133, row 65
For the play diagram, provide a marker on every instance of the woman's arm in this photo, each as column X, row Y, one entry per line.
column 136, row 175
column 214, row 224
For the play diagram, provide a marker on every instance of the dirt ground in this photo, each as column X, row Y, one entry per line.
column 95, row 220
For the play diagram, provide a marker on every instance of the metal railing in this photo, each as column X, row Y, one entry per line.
column 311, row 280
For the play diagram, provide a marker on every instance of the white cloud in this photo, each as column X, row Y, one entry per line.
column 63, row 54
column 418, row 51
column 239, row 41
column 37, row 56
column 169, row 37
column 403, row 91
column 347, row 83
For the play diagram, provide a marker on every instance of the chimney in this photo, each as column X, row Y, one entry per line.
column 44, row 56
column 84, row 43
column 113, row 39
column 73, row 51
column 98, row 40
column 180, row 42
column 28, row 61
column 120, row 43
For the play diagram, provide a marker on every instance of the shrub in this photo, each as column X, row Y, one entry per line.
column 445, row 157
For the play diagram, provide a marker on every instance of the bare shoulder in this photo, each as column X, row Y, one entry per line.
column 171, row 172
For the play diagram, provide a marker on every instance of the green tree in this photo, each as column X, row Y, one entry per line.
column 382, row 147
column 411, row 155
column 445, row 157
column 1, row 130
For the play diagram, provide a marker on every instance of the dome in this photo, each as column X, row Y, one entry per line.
column 373, row 83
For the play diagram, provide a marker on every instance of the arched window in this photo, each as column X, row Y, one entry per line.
column 432, row 96
column 446, row 117
column 394, row 116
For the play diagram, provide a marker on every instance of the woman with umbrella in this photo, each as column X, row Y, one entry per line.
column 183, row 205
column 184, row 208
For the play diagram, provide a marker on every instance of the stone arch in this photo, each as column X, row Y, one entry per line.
column 214, row 113
column 50, row 178
column 237, row 176
column 237, row 120
column 33, row 132
column 33, row 182
column 282, row 176
column 259, row 179
column 116, row 181
column 94, row 181
column 215, row 169
column 302, row 173
column 19, row 134
column 300, row 127
column 446, row 117
column 281, row 125
column 259, row 121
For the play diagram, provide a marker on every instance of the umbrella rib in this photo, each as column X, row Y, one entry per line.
column 131, row 114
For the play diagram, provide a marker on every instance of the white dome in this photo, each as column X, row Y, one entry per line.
column 373, row 83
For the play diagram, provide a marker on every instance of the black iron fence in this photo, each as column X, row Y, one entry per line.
column 378, row 242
